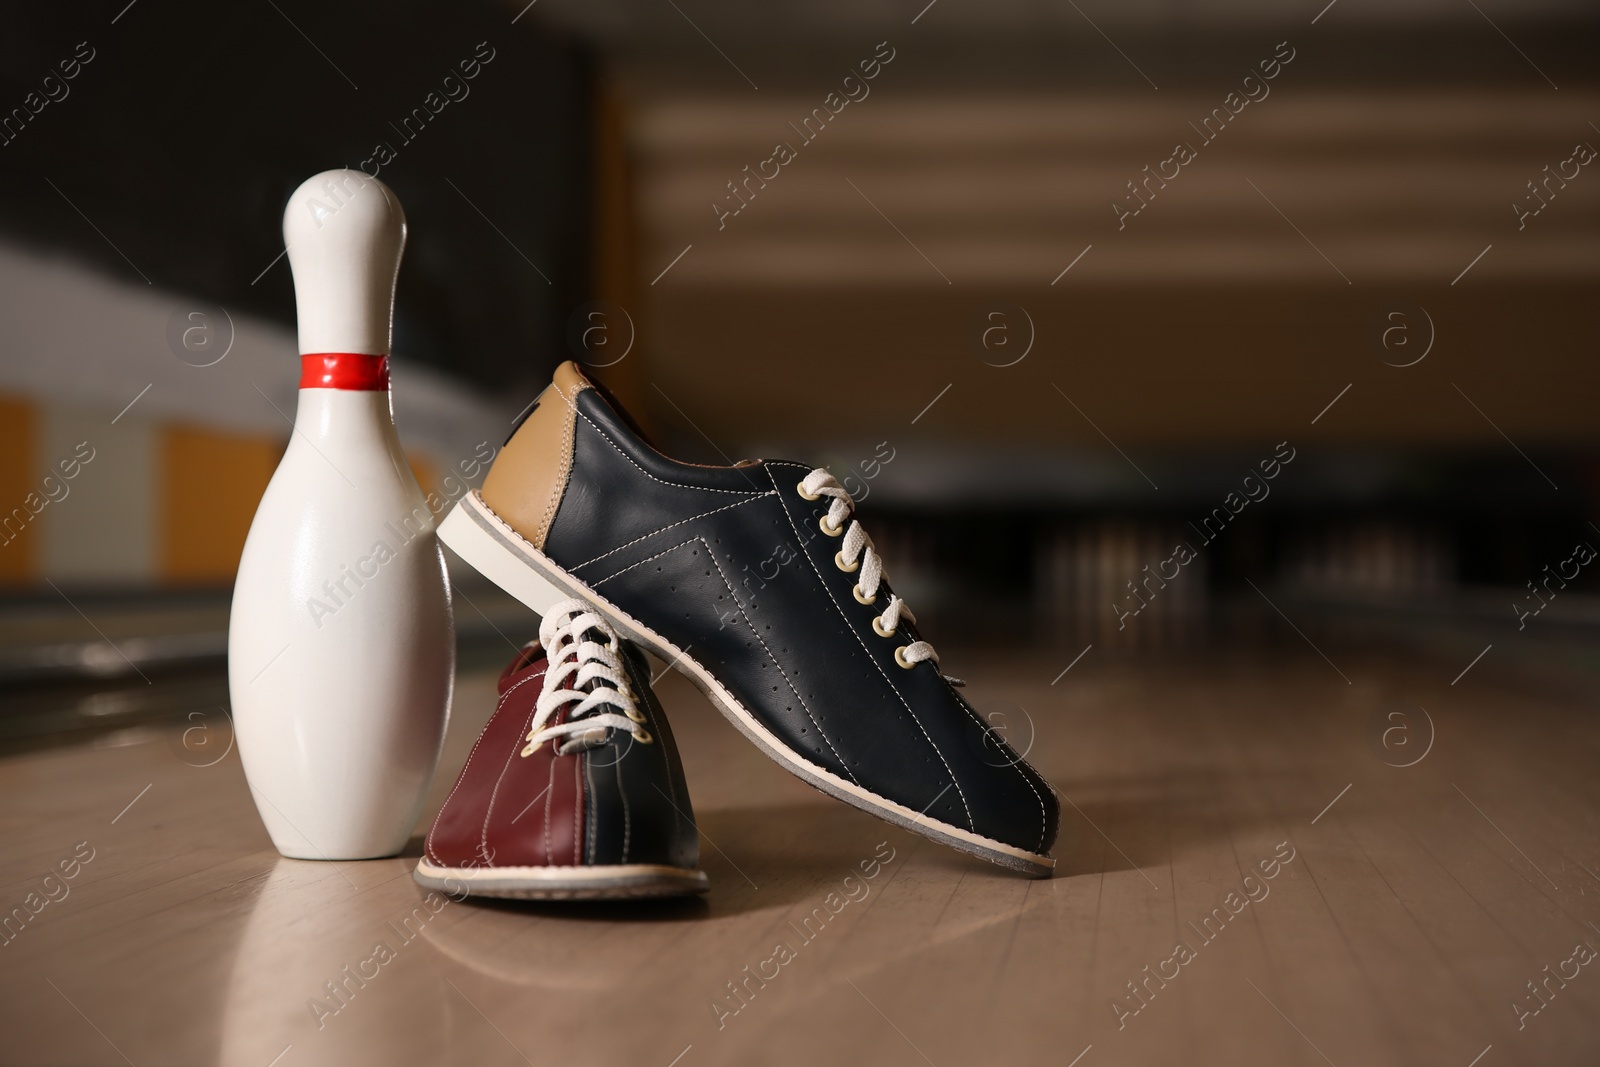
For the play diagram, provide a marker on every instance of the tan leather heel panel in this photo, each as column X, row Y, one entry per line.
column 527, row 479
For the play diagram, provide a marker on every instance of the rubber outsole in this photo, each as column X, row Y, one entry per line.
column 620, row 882
column 484, row 540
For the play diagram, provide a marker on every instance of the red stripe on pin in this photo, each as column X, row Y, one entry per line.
column 344, row 370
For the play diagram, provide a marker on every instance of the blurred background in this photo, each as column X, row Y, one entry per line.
column 1053, row 288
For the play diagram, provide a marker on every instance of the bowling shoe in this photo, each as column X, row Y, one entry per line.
column 758, row 583
column 574, row 790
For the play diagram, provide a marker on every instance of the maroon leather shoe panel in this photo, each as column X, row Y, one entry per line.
column 611, row 819
column 535, row 818
column 507, row 810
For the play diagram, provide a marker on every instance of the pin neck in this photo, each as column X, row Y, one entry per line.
column 344, row 370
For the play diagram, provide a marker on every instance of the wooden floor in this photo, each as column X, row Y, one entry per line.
column 1418, row 903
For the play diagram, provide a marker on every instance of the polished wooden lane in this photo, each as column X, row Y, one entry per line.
column 1407, row 909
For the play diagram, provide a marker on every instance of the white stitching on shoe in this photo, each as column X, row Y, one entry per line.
column 652, row 533
column 549, row 797
column 677, row 816
column 588, row 774
column 514, row 541
column 602, row 581
column 676, row 485
column 784, row 674
column 971, row 825
column 577, row 809
column 758, row 637
column 428, row 844
column 569, row 451
column 1044, row 816
column 494, row 794
column 858, row 555
column 627, row 816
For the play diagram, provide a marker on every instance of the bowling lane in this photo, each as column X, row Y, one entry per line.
column 1391, row 914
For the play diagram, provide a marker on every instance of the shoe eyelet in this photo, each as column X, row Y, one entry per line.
column 899, row 657
column 800, row 487
column 838, row 561
column 877, row 627
column 830, row 531
column 530, row 748
column 635, row 715
column 869, row 601
column 643, row 737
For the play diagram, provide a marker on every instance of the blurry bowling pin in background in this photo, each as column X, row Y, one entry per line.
column 341, row 643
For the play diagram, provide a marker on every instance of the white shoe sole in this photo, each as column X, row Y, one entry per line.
column 479, row 536
column 620, row 881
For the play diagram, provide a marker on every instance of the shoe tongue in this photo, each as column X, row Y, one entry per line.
column 593, row 738
column 595, row 635
column 599, row 637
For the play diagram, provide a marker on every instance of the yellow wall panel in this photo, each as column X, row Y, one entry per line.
column 210, row 486
column 19, row 430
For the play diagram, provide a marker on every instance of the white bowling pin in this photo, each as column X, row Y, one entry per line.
column 341, row 642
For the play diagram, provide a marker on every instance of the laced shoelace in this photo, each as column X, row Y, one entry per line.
column 586, row 672
column 857, row 553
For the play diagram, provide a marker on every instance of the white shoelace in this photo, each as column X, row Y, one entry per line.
column 586, row 673
column 857, row 552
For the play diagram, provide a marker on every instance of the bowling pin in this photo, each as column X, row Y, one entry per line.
column 341, row 642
